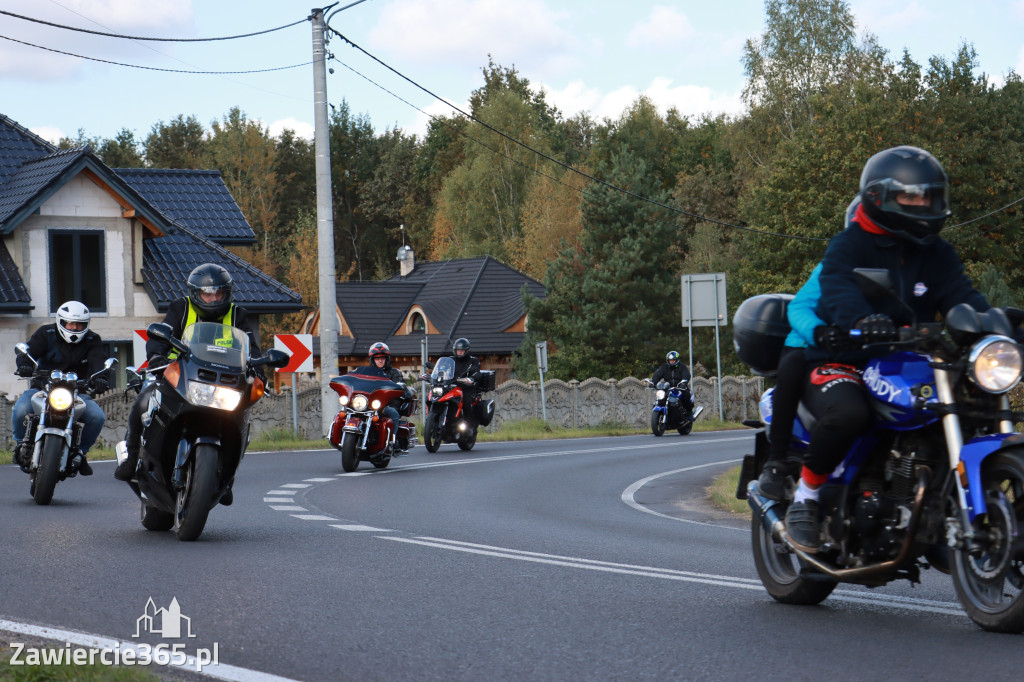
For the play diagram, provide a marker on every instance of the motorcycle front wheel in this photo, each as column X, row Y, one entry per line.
column 349, row 456
column 685, row 430
column 657, row 423
column 989, row 574
column 196, row 496
column 49, row 468
column 431, row 433
column 780, row 570
column 467, row 440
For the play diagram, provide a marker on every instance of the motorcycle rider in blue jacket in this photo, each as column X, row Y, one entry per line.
column 904, row 204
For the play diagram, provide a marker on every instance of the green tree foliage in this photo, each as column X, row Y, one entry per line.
column 178, row 144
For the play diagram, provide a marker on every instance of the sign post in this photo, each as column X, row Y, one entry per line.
column 704, row 304
column 300, row 348
column 542, row 366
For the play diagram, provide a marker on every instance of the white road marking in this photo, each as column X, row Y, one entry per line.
column 849, row 596
column 297, row 485
column 280, row 492
column 221, row 671
column 278, row 500
column 317, row 480
column 628, row 493
column 314, row 517
column 288, row 507
column 357, row 527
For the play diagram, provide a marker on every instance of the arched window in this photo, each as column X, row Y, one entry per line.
column 417, row 323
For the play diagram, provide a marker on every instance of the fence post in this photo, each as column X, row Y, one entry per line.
column 575, row 398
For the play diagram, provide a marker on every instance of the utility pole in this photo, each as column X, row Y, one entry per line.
column 325, row 227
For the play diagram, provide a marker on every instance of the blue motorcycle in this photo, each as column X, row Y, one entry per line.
column 673, row 408
column 938, row 480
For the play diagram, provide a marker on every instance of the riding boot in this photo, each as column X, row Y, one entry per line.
column 125, row 471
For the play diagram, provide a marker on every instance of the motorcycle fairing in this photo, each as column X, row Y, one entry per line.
column 897, row 385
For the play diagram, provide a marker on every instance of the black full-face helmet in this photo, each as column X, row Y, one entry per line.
column 209, row 289
column 461, row 345
column 906, row 192
column 672, row 358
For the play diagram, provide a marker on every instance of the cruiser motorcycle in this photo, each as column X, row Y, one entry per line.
column 446, row 421
column 670, row 409
column 54, row 427
column 938, row 480
column 196, row 427
column 359, row 430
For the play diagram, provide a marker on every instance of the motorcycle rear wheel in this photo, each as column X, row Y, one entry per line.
column 657, row 423
column 50, row 454
column 349, row 456
column 989, row 579
column 196, row 497
column 467, row 440
column 780, row 570
column 685, row 430
column 155, row 519
column 431, row 433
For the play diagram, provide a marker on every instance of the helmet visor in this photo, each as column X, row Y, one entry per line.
column 211, row 295
column 920, row 202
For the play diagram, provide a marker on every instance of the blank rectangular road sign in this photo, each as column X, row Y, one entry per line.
column 704, row 302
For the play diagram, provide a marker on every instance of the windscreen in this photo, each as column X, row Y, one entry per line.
column 444, row 370
column 217, row 343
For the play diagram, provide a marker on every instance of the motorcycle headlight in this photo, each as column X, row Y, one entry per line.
column 996, row 364
column 360, row 402
column 60, row 399
column 437, row 391
column 660, row 395
column 343, row 400
column 375, row 404
column 218, row 397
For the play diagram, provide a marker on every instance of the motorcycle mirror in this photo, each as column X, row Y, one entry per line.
column 21, row 349
column 276, row 358
column 874, row 282
column 160, row 331
column 110, row 362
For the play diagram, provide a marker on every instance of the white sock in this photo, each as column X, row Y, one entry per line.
column 805, row 492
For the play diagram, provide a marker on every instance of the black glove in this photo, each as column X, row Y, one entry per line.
column 99, row 385
column 877, row 328
column 25, row 369
column 158, row 361
column 830, row 338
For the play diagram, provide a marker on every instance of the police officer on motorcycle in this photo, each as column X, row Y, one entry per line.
column 673, row 372
column 380, row 361
column 70, row 346
column 209, row 300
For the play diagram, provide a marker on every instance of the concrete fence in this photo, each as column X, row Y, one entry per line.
column 570, row 404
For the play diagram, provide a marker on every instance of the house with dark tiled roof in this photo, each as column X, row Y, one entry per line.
column 122, row 241
column 476, row 298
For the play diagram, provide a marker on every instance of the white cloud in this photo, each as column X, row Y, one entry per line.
column 128, row 17
column 51, row 135
column 300, row 128
column 665, row 28
column 689, row 100
column 460, row 32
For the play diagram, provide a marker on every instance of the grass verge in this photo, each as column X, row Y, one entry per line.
column 70, row 673
column 722, row 492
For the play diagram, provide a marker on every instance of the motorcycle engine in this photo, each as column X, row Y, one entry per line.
column 884, row 497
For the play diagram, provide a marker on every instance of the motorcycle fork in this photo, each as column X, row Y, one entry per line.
column 954, row 441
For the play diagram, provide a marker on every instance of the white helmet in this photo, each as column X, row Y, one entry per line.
column 72, row 311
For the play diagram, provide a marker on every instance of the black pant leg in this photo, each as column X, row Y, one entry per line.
column 789, row 388
column 839, row 403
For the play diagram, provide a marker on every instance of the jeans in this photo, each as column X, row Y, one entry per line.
column 92, row 421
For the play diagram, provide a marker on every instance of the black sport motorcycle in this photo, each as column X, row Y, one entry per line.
column 196, row 426
column 54, row 428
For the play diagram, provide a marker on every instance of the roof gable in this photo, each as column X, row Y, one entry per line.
column 18, row 146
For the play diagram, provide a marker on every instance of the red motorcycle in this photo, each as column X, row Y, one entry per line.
column 360, row 431
column 446, row 420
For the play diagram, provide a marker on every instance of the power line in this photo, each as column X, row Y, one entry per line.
column 571, row 168
column 165, row 40
column 150, row 68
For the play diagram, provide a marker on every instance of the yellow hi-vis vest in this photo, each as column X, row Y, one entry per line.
column 193, row 316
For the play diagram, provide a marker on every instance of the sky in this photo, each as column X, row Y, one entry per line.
column 595, row 56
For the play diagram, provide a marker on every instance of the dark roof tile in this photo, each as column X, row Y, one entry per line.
column 13, row 294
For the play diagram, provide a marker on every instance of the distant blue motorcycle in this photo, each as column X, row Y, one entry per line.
column 937, row 481
column 672, row 408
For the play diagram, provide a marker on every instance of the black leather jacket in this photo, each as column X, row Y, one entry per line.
column 85, row 358
column 671, row 374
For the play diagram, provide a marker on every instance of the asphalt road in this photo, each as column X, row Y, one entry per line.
column 590, row 559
